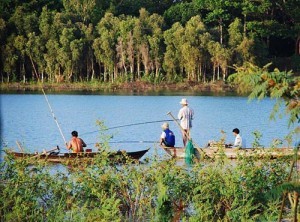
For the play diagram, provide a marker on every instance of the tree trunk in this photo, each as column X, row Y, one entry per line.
column 93, row 70
column 23, row 71
column 296, row 201
column 138, row 66
column 214, row 73
column 297, row 46
column 104, row 74
column 221, row 31
column 115, row 72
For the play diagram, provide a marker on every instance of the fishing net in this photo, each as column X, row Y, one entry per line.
column 189, row 152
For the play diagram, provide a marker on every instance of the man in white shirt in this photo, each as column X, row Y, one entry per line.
column 238, row 142
column 186, row 116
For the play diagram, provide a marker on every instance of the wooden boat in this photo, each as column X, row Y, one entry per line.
column 118, row 156
column 231, row 153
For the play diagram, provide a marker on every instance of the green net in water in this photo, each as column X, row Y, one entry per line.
column 189, row 152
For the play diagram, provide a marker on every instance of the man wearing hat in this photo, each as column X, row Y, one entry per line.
column 186, row 116
column 167, row 137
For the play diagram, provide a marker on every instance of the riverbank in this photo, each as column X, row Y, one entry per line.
column 138, row 87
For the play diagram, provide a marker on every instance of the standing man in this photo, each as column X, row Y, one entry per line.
column 76, row 144
column 185, row 116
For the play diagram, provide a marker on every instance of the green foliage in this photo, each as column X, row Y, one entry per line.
column 180, row 12
column 257, row 137
column 108, row 40
column 160, row 190
column 276, row 84
column 236, row 193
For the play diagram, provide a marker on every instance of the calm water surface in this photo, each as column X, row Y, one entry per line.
column 27, row 118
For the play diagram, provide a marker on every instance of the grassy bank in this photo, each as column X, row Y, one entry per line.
column 129, row 87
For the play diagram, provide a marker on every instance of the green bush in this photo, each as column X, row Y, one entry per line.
column 160, row 190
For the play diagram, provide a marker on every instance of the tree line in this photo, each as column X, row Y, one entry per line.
column 174, row 41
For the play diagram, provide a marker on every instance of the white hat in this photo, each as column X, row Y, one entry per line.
column 184, row 101
column 165, row 126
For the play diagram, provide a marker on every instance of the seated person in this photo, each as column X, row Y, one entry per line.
column 238, row 142
column 76, row 144
column 167, row 137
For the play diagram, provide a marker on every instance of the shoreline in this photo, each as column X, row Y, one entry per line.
column 138, row 88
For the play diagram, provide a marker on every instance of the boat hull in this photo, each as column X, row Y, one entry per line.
column 121, row 156
column 232, row 153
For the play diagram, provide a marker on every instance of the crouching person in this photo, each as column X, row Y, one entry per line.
column 167, row 137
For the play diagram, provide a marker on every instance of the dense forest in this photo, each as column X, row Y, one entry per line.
column 131, row 40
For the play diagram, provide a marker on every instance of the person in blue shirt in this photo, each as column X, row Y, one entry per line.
column 167, row 137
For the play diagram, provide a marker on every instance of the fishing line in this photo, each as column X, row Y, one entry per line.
column 133, row 124
column 124, row 141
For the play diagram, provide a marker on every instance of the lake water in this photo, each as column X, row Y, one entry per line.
column 27, row 118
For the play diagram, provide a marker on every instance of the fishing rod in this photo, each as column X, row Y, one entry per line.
column 133, row 124
column 124, row 141
column 51, row 110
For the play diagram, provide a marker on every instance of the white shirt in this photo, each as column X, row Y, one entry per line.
column 163, row 135
column 186, row 116
column 238, row 142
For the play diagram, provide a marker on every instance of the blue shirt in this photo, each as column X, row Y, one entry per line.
column 169, row 138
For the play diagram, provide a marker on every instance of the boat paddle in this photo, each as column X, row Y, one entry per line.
column 183, row 131
column 45, row 152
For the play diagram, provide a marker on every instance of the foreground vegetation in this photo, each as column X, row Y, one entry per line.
column 160, row 190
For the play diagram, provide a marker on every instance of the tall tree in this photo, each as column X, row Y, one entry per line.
column 125, row 48
column 155, row 40
column 104, row 45
column 180, row 12
column 191, row 47
column 35, row 48
column 9, row 60
column 20, row 45
column 220, row 57
column 218, row 12
column 173, row 39
column 70, row 52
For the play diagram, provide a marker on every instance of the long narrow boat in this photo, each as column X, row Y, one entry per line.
column 231, row 153
column 119, row 156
